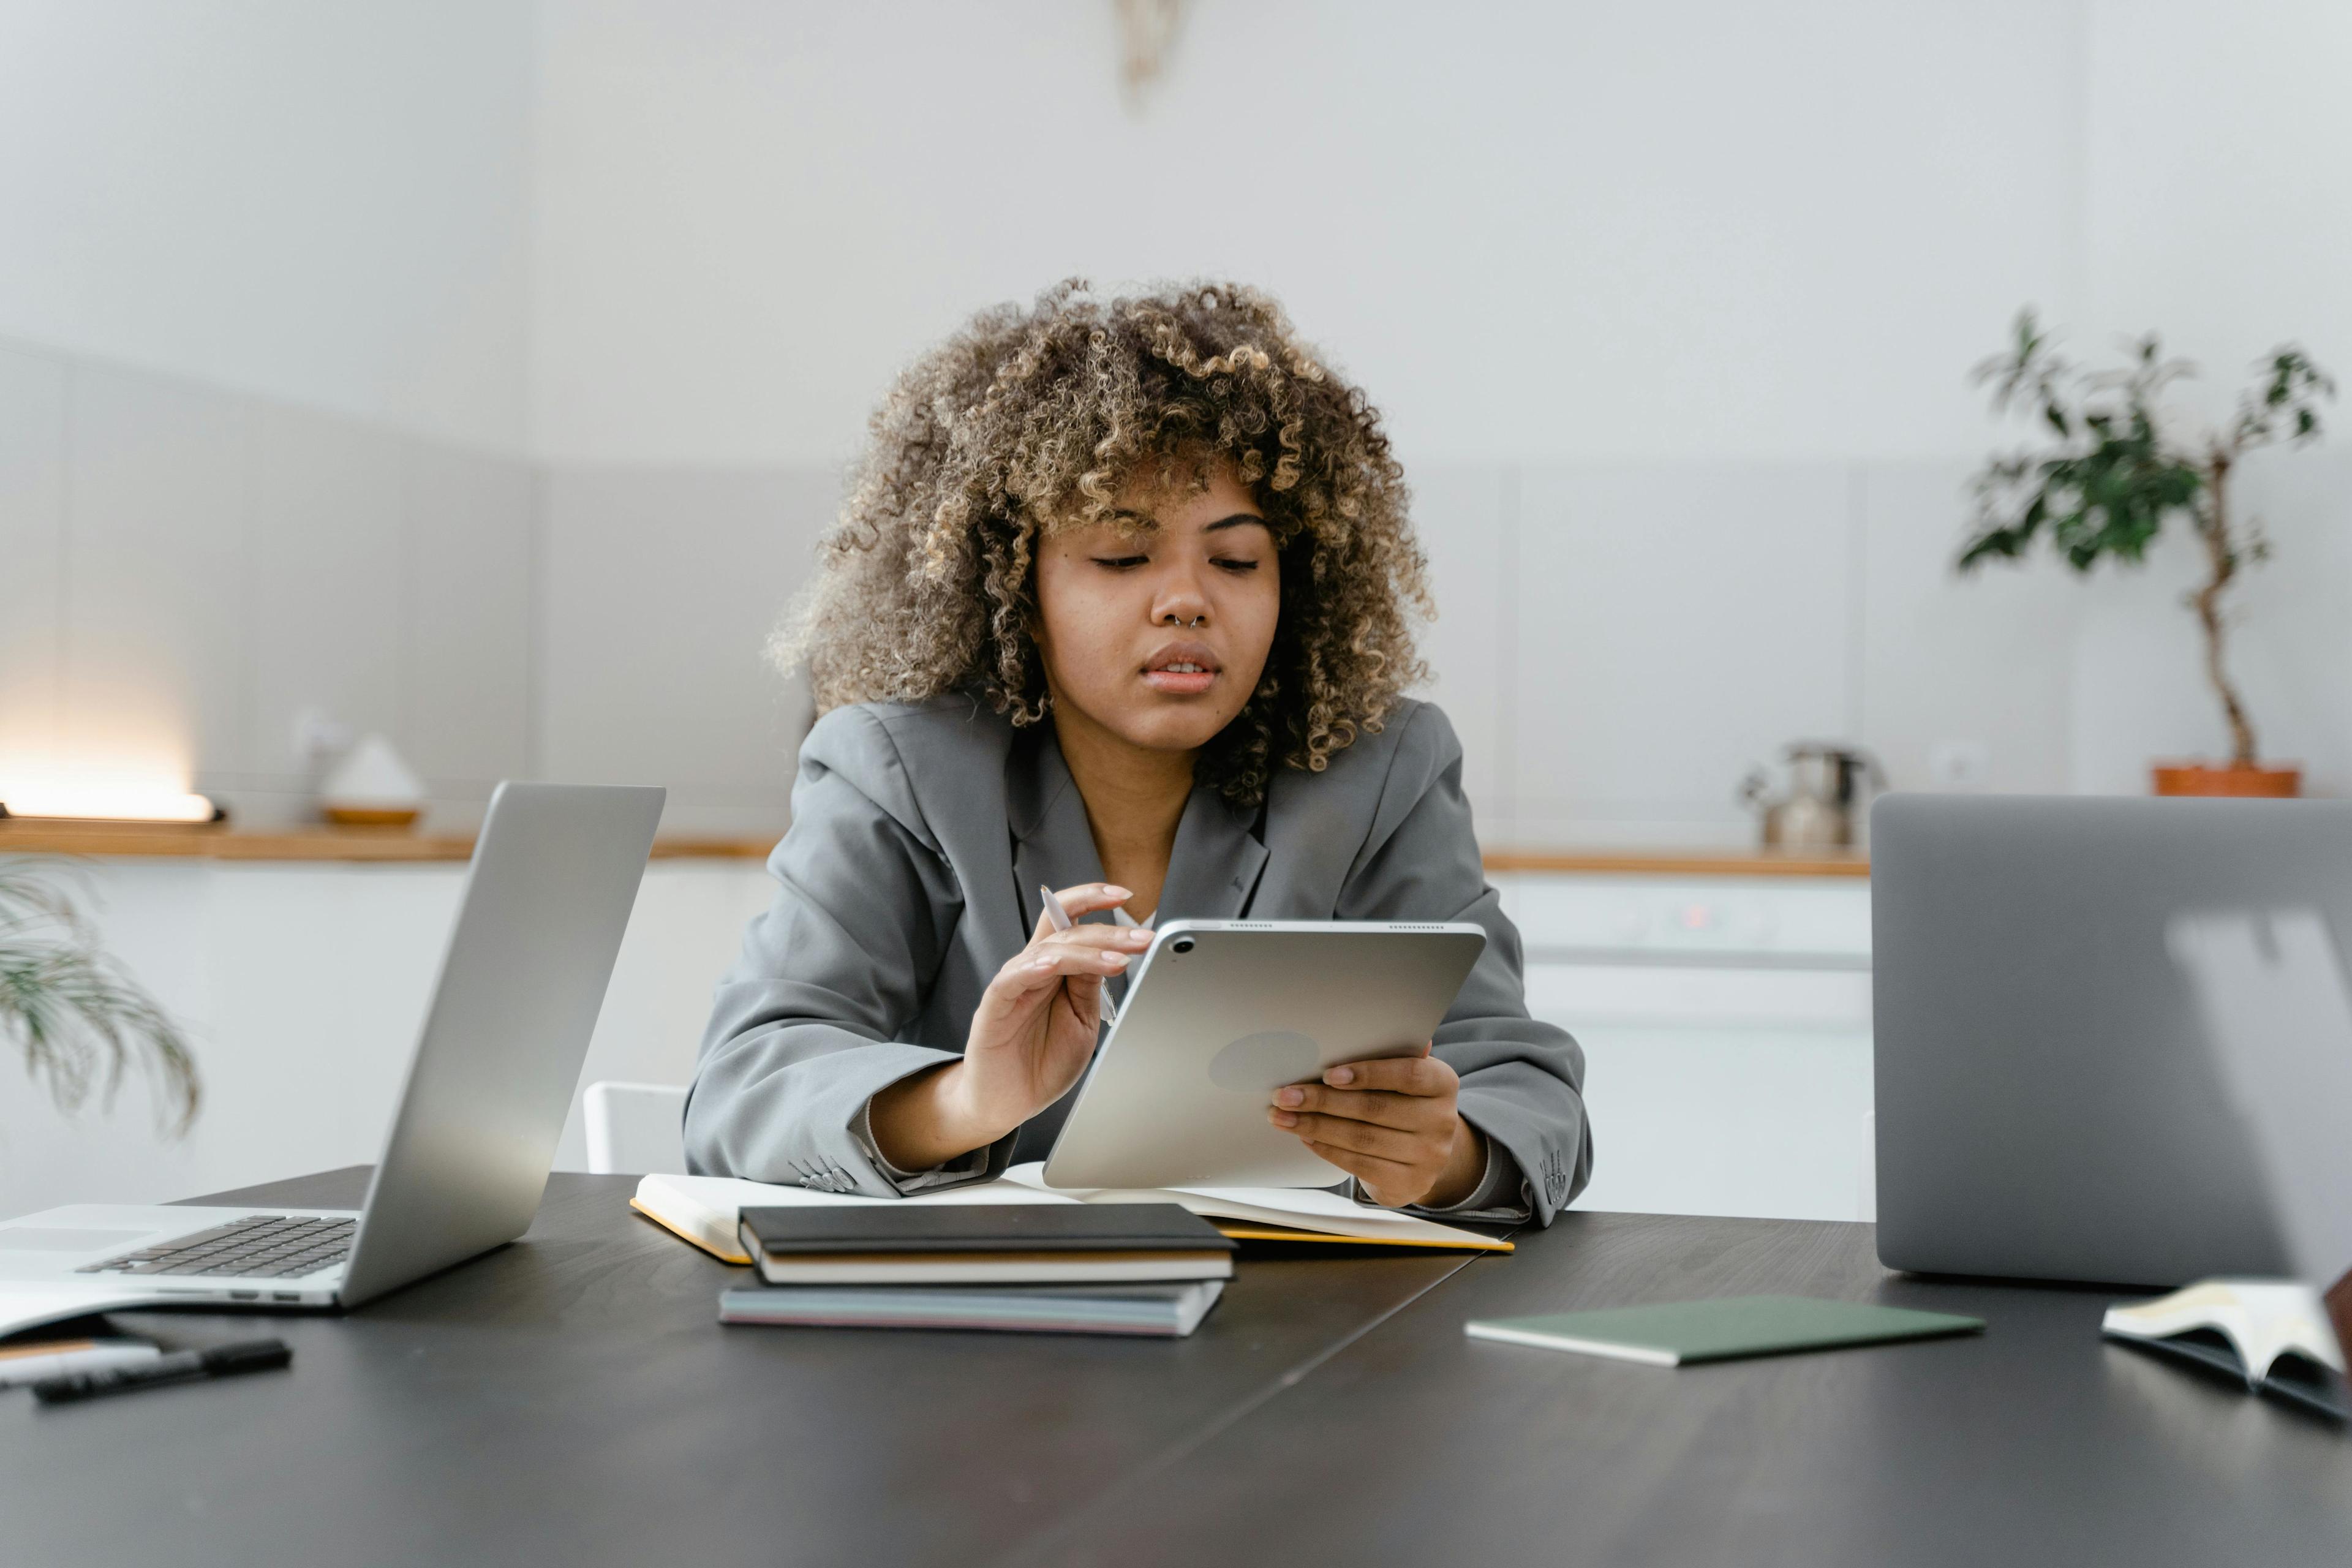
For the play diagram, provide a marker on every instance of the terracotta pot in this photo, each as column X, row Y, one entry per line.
column 2203, row 778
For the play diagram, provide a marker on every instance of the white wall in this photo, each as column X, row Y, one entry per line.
column 1671, row 311
column 2218, row 183
column 189, row 568
column 1534, row 231
column 1671, row 308
column 659, row 589
column 327, row 204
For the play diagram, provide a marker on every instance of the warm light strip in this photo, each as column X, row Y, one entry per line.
column 109, row 805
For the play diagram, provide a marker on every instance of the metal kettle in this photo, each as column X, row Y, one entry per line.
column 1827, row 803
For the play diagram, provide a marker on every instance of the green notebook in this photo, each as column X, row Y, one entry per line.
column 1723, row 1329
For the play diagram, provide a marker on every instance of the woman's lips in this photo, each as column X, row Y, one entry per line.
column 1179, row 682
column 1182, row 668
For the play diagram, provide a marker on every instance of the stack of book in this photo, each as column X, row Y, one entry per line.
column 707, row 1210
column 1109, row 1269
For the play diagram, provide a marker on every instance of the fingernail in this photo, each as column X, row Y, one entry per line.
column 1118, row 960
column 1340, row 1075
column 1040, row 963
column 1113, row 890
column 1289, row 1097
column 1284, row 1118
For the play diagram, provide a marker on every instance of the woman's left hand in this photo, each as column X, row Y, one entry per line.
column 1391, row 1124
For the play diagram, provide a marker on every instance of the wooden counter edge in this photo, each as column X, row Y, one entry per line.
column 1679, row 862
column 361, row 844
column 394, row 845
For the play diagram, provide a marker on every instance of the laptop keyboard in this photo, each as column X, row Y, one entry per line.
column 268, row 1245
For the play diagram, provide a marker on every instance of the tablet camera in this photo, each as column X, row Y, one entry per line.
column 1181, row 944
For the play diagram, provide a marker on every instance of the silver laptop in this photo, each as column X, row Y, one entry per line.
column 554, row 875
column 2048, row 1107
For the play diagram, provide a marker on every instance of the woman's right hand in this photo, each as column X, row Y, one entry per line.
column 1032, row 1036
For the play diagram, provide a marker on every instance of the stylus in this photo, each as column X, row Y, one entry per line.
column 1061, row 918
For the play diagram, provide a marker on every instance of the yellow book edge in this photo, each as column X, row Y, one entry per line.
column 741, row 1260
column 1242, row 1230
column 1234, row 1229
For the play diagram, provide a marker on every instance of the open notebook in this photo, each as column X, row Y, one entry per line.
column 2271, row 1334
column 703, row 1210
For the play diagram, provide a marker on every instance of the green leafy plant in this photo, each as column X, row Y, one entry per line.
column 81, row 1022
column 2112, row 473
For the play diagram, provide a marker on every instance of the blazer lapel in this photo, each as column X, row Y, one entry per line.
column 1053, row 845
column 947, row 752
column 1214, row 871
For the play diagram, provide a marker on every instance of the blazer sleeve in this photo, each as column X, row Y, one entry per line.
column 1522, row 1079
column 803, row 1029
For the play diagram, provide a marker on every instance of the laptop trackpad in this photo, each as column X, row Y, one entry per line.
column 49, row 1238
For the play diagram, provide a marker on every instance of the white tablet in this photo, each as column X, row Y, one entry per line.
column 1219, row 1014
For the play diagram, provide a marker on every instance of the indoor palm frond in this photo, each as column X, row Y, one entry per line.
column 82, row 1021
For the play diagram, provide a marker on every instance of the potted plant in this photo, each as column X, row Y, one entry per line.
column 2113, row 471
column 79, row 1019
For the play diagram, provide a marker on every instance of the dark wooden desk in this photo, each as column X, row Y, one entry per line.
column 2037, row 1443
column 572, row 1400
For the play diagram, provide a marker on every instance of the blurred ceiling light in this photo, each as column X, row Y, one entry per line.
column 1147, row 37
column 109, row 802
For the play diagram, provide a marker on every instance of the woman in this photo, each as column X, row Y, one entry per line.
column 1117, row 606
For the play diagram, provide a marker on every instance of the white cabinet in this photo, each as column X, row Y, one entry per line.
column 302, row 987
column 1725, row 1025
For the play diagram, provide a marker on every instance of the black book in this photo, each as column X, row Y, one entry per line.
column 983, row 1242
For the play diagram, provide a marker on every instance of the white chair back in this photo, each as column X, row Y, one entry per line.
column 634, row 1129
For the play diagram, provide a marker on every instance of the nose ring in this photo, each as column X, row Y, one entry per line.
column 1193, row 622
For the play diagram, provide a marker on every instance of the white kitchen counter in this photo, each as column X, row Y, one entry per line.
column 1725, row 1016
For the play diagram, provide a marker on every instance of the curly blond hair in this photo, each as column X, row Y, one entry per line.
column 1038, row 419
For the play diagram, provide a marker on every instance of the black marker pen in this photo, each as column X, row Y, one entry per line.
column 180, row 1366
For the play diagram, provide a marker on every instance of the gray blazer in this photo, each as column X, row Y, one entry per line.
column 921, row 834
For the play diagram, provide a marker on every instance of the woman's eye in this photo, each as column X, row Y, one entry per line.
column 1121, row 562
column 1237, row 566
